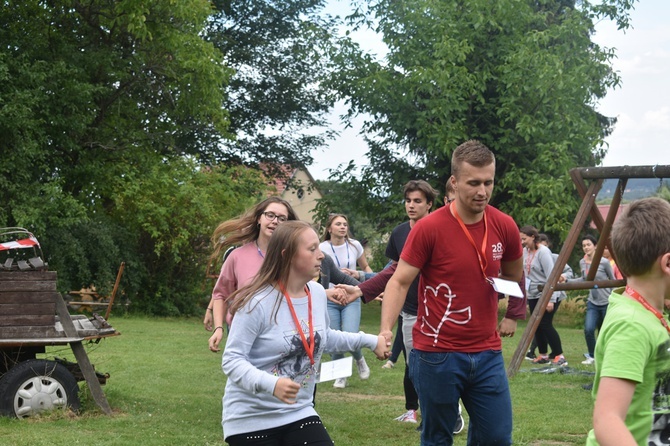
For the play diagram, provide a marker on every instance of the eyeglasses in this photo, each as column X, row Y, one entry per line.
column 271, row 216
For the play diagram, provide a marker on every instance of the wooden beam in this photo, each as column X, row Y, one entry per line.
column 552, row 280
column 593, row 173
column 82, row 358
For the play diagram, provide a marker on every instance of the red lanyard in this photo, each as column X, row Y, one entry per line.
column 637, row 296
column 483, row 261
column 309, row 348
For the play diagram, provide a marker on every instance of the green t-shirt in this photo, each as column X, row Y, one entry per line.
column 634, row 345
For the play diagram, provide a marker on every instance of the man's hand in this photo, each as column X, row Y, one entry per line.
column 286, row 390
column 550, row 307
column 507, row 328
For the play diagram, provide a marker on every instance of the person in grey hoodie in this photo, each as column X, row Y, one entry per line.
column 273, row 352
column 538, row 262
column 596, row 306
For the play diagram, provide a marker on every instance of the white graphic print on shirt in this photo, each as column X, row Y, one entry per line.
column 460, row 317
column 294, row 362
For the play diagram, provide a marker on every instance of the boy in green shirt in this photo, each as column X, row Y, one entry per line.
column 632, row 384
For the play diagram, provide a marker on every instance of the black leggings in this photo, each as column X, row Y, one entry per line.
column 546, row 333
column 308, row 431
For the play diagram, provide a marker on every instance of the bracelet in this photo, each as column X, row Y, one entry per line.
column 210, row 309
column 216, row 328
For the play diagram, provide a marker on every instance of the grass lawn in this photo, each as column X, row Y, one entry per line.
column 165, row 388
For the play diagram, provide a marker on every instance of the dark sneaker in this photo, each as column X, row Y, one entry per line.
column 542, row 359
column 530, row 356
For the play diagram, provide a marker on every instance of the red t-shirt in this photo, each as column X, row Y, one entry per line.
column 458, row 308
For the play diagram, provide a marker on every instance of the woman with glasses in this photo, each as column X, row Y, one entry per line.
column 346, row 253
column 251, row 232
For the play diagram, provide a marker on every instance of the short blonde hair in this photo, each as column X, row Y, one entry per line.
column 472, row 152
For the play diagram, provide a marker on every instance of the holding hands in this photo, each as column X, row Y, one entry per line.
column 383, row 350
column 351, row 292
column 351, row 272
column 388, row 338
column 337, row 295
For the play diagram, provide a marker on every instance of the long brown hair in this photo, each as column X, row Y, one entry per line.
column 276, row 265
column 331, row 218
column 243, row 229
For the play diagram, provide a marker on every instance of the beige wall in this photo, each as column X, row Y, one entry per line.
column 304, row 202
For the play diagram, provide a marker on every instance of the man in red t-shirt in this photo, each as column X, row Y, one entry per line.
column 458, row 249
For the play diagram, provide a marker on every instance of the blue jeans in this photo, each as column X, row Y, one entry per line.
column 595, row 315
column 479, row 380
column 345, row 318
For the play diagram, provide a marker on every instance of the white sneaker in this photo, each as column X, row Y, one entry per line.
column 460, row 423
column 363, row 369
column 389, row 365
column 340, row 383
column 588, row 361
column 407, row 417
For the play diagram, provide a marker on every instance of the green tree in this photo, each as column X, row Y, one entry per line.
column 277, row 97
column 87, row 87
column 523, row 77
column 97, row 99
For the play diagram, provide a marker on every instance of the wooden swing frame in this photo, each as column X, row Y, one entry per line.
column 588, row 207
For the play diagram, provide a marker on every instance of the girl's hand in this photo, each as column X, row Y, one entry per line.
column 351, row 272
column 215, row 339
column 208, row 321
column 286, row 390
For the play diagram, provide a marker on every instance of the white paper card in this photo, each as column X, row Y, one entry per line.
column 340, row 368
column 507, row 287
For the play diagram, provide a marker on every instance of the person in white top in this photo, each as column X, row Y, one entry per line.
column 346, row 253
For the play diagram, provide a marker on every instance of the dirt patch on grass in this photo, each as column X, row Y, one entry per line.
column 341, row 396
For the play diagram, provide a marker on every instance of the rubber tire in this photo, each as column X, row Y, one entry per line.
column 19, row 397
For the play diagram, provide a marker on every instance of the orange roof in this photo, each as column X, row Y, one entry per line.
column 604, row 210
column 278, row 182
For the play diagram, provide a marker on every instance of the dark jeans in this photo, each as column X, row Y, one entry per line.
column 309, row 431
column 546, row 334
column 479, row 380
column 397, row 343
column 595, row 315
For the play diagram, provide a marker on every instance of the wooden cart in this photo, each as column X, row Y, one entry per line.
column 33, row 315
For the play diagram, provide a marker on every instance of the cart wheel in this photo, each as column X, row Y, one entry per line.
column 37, row 385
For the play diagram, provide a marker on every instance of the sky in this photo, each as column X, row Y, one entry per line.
column 641, row 103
